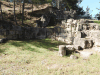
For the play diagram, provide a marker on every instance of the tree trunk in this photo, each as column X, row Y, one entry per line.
column 1, row 11
column 20, row 7
column 14, row 13
column 23, row 12
column 32, row 6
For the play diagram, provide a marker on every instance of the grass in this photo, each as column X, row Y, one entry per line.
column 97, row 21
column 40, row 57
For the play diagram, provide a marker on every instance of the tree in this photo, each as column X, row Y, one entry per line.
column 1, row 11
column 98, row 15
column 14, row 13
column 22, row 12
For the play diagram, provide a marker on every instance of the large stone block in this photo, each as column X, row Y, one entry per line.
column 61, row 39
column 16, row 27
column 57, row 29
column 42, row 33
column 49, row 32
column 69, row 40
column 70, row 20
column 96, row 49
column 62, row 50
column 95, row 33
column 3, row 31
column 83, row 43
column 97, row 42
column 82, row 21
column 12, row 32
column 80, row 34
column 14, row 37
column 70, row 49
column 9, row 37
column 75, row 21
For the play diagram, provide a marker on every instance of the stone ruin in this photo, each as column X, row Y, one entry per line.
column 80, row 34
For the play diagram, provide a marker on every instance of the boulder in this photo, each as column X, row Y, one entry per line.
column 3, row 40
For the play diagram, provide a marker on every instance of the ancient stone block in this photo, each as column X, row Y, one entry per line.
column 97, row 42
column 63, row 22
column 9, row 37
column 95, row 33
column 0, row 32
column 21, row 36
column 57, row 29
column 82, row 21
column 61, row 39
column 96, row 49
column 63, row 35
column 88, row 43
column 16, row 27
column 11, row 32
column 69, row 40
column 79, row 34
column 62, row 50
column 3, row 31
column 77, row 47
column 3, row 40
column 75, row 21
column 49, row 32
column 70, row 47
column 83, row 43
column 70, row 20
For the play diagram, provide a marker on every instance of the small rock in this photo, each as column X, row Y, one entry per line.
column 85, row 55
column 73, row 57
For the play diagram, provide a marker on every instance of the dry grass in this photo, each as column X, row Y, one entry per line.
column 40, row 57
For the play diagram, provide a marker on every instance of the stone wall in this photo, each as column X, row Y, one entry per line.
column 17, row 32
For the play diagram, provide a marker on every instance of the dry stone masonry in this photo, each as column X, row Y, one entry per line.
column 80, row 34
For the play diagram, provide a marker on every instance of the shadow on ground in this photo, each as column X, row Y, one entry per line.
column 45, row 43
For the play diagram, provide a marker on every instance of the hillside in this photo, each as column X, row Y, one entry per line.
column 29, row 19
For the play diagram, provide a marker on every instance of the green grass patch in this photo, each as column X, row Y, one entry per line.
column 97, row 21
